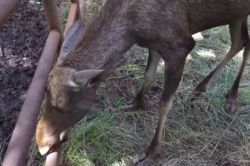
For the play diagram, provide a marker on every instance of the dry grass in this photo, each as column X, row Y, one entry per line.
column 198, row 133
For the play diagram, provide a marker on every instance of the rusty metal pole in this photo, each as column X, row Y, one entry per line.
column 51, row 14
column 71, row 17
column 82, row 4
column 78, row 11
column 21, row 138
column 6, row 8
column 52, row 17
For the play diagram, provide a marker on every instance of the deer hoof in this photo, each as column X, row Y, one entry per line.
column 128, row 108
column 195, row 95
column 197, row 92
column 148, row 157
column 143, row 160
column 231, row 103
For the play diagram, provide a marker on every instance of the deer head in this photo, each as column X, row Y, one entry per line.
column 70, row 94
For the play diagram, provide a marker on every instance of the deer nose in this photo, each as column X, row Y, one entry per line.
column 43, row 149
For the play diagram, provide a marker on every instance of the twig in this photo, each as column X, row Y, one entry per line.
column 30, row 50
column 112, row 78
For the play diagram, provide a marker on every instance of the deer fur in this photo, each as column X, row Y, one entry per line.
column 165, row 27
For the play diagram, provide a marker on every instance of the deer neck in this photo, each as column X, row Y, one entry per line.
column 106, row 39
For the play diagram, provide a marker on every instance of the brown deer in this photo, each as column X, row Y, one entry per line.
column 165, row 27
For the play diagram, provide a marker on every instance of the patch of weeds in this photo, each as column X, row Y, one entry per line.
column 160, row 75
column 207, row 55
column 99, row 146
column 187, row 74
column 65, row 12
column 129, row 69
column 178, row 102
column 42, row 163
column 118, row 103
column 246, row 95
column 139, row 52
column 90, row 6
column 222, row 33
column 138, row 78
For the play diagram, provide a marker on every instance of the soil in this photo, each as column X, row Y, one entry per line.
column 22, row 41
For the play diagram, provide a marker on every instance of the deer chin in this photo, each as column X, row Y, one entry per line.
column 43, row 150
column 53, row 142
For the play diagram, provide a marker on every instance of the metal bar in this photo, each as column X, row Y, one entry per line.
column 20, row 141
column 78, row 16
column 6, row 8
column 51, row 14
column 71, row 17
column 53, row 159
column 82, row 4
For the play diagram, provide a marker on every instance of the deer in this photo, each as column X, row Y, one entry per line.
column 165, row 27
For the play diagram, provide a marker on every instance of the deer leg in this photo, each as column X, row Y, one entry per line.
column 238, row 30
column 232, row 94
column 153, row 61
column 173, row 71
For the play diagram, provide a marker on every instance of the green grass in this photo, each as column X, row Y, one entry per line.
column 119, row 103
column 104, row 143
column 65, row 12
column 246, row 95
column 98, row 137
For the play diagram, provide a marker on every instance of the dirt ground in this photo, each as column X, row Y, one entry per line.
column 22, row 41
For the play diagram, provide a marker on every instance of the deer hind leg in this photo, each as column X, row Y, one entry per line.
column 232, row 94
column 239, row 40
column 174, row 64
column 153, row 61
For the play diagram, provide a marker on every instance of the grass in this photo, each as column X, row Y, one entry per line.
column 65, row 11
column 105, row 140
column 98, row 136
column 195, row 134
column 246, row 95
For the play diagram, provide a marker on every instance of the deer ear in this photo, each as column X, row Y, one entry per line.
column 89, row 78
column 74, row 33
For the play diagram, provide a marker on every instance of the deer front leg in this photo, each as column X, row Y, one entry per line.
column 232, row 94
column 173, row 71
column 153, row 61
column 239, row 38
